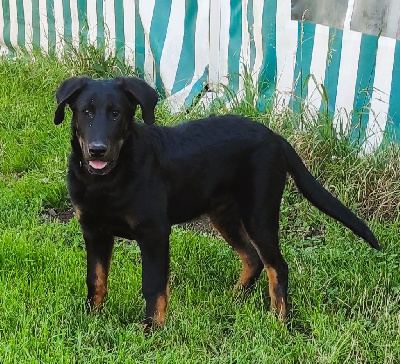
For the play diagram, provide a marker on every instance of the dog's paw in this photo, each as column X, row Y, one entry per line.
column 239, row 288
column 92, row 309
column 147, row 325
column 150, row 324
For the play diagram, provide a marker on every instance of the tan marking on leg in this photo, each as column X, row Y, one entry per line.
column 161, row 309
column 278, row 304
column 100, row 285
column 247, row 270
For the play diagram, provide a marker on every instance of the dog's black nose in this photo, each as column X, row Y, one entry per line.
column 97, row 149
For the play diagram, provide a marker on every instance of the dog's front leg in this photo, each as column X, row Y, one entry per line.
column 99, row 247
column 155, row 274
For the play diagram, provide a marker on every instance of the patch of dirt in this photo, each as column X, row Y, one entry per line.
column 311, row 233
column 61, row 216
column 200, row 225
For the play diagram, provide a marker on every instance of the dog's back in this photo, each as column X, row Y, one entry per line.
column 207, row 158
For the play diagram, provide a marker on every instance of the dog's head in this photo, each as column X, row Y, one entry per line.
column 103, row 112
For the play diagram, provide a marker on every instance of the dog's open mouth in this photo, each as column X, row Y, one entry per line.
column 97, row 164
column 99, row 167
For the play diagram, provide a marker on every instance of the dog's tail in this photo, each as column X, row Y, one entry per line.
column 322, row 199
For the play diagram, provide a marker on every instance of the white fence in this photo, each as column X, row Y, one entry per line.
column 181, row 45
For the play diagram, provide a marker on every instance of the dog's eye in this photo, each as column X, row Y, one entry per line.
column 115, row 113
column 88, row 113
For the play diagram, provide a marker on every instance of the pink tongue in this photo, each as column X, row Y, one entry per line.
column 97, row 164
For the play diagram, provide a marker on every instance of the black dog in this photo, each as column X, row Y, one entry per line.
column 136, row 180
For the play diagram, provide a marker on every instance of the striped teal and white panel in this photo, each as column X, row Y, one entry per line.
column 181, row 45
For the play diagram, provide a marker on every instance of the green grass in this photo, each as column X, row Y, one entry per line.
column 344, row 296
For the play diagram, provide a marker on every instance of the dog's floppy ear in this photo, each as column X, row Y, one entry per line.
column 139, row 92
column 66, row 93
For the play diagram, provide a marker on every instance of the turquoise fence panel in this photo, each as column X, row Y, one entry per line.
column 185, row 47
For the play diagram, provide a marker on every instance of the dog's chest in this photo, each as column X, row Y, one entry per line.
column 121, row 226
column 103, row 201
column 110, row 218
column 118, row 212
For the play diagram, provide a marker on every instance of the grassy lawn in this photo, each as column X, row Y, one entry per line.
column 344, row 296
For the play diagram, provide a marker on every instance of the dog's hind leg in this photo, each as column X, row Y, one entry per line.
column 264, row 234
column 260, row 217
column 225, row 219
